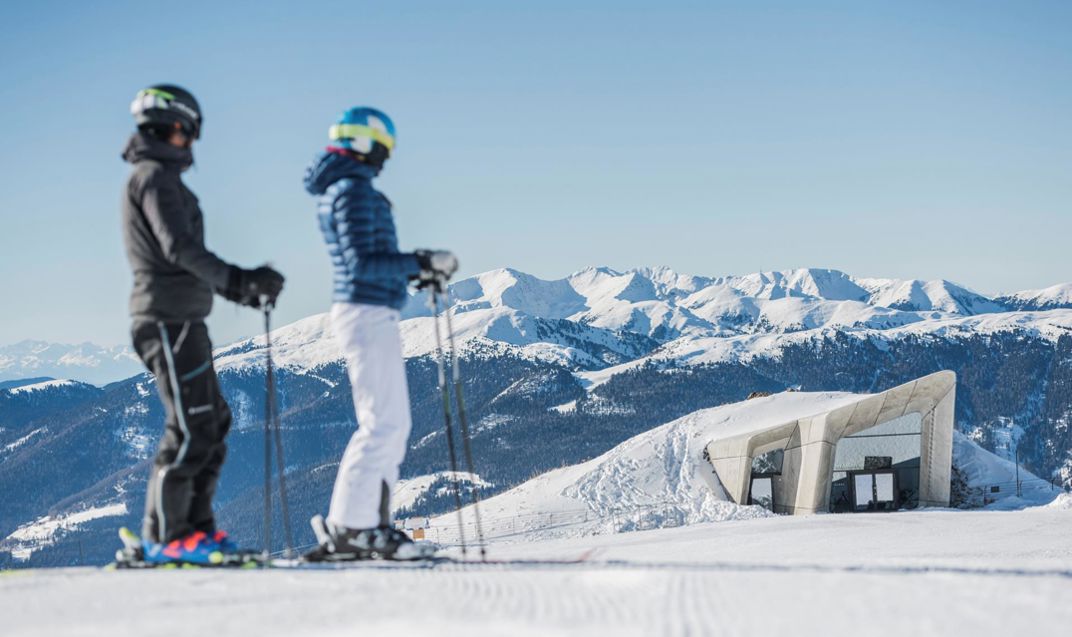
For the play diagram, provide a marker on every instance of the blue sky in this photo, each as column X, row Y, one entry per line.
column 900, row 139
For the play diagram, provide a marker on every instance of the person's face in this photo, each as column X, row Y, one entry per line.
column 179, row 138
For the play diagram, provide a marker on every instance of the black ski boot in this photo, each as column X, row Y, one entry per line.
column 340, row 544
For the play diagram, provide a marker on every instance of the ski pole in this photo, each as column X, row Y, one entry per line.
column 463, row 418
column 272, row 409
column 433, row 304
column 267, row 451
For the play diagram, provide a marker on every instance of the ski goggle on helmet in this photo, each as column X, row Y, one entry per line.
column 361, row 128
column 165, row 105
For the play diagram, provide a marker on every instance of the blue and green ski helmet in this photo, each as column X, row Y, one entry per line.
column 366, row 131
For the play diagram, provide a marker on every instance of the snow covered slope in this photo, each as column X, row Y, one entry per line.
column 46, row 530
column 1056, row 296
column 660, row 473
column 38, row 386
column 408, row 491
column 897, row 574
column 915, row 295
column 983, row 472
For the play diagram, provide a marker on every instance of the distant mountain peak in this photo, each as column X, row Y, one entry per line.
column 1054, row 297
column 83, row 362
column 596, row 271
column 820, row 283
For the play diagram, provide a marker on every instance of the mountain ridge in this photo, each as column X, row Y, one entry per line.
column 598, row 317
column 656, row 302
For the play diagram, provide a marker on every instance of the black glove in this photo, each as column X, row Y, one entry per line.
column 246, row 287
column 436, row 265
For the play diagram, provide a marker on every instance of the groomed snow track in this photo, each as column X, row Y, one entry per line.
column 935, row 572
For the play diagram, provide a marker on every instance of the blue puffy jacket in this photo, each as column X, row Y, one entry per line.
column 360, row 232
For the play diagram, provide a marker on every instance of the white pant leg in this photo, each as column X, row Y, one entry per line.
column 372, row 347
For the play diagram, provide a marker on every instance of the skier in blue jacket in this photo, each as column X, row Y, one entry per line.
column 371, row 278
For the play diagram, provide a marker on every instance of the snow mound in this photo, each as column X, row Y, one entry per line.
column 1062, row 502
column 656, row 479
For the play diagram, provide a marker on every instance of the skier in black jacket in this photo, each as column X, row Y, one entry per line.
column 175, row 277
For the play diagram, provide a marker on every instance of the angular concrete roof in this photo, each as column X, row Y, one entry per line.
column 809, row 442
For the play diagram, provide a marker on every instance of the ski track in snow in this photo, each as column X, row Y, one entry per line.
column 935, row 572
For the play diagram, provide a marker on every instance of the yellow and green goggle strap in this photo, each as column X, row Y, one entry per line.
column 350, row 131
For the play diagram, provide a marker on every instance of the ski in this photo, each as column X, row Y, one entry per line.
column 131, row 556
column 432, row 562
column 255, row 561
column 354, row 545
column 127, row 564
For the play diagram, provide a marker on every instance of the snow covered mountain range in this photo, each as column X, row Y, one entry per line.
column 85, row 362
column 557, row 373
column 615, row 317
column 597, row 318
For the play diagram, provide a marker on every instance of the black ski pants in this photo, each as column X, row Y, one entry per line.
column 192, row 449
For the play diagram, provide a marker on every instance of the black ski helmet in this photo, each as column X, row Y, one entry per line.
column 162, row 105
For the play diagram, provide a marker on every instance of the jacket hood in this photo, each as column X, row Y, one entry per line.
column 328, row 167
column 141, row 146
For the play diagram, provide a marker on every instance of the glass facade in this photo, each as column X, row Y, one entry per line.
column 877, row 469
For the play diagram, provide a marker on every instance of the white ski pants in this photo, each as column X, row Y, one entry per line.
column 368, row 472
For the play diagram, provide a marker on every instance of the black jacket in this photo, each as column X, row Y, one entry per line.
column 174, row 273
